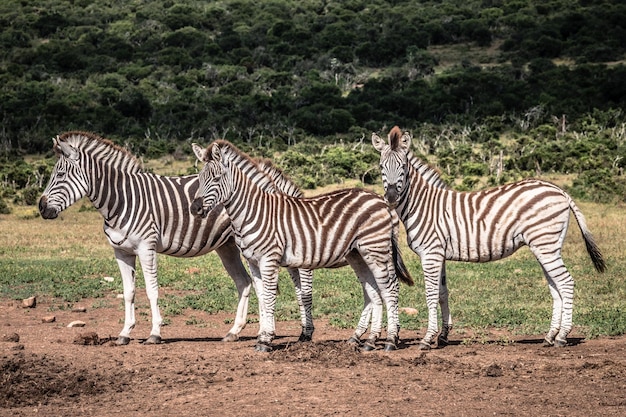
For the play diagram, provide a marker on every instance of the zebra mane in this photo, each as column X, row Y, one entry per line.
column 431, row 175
column 102, row 149
column 394, row 138
column 260, row 171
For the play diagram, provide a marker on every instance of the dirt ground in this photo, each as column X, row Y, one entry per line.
column 51, row 370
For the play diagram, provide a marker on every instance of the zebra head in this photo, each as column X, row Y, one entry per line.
column 215, row 183
column 67, row 184
column 393, row 163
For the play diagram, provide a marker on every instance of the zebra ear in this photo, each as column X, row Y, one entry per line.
column 378, row 142
column 66, row 149
column 199, row 151
column 405, row 141
column 216, row 153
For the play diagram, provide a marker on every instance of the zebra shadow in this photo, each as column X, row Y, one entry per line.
column 207, row 339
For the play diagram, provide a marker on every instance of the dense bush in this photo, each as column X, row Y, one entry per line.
column 281, row 74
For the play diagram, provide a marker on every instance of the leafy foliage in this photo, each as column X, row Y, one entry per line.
column 152, row 75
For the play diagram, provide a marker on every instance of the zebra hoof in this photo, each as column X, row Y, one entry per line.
column 261, row 347
column 369, row 346
column 152, row 340
column 560, row 342
column 305, row 337
column 230, row 337
column 354, row 341
column 442, row 341
column 548, row 343
column 424, row 345
column 122, row 340
column 390, row 346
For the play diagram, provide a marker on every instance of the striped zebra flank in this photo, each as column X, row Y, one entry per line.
column 480, row 226
column 274, row 230
column 144, row 214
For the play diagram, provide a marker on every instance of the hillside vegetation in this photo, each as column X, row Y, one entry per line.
column 493, row 90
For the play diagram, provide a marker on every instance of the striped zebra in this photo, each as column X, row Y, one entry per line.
column 271, row 179
column 144, row 214
column 481, row 226
column 274, row 230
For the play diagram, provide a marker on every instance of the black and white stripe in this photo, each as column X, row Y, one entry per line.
column 274, row 230
column 481, row 226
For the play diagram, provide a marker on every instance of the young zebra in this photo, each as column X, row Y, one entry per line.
column 271, row 179
column 481, row 226
column 144, row 214
column 274, row 230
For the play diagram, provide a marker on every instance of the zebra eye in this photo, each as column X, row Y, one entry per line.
column 60, row 174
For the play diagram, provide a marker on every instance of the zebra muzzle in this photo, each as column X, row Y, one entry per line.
column 46, row 211
column 197, row 208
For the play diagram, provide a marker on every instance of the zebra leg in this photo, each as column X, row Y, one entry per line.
column 303, row 282
column 231, row 259
column 372, row 302
column 376, row 308
column 561, row 286
column 269, row 273
column 432, row 273
column 257, row 283
column 557, row 308
column 446, row 318
column 148, row 260
column 126, row 263
column 389, row 287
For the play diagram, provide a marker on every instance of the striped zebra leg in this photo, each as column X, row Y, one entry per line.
column 446, row 318
column 148, row 261
column 269, row 275
column 372, row 303
column 230, row 256
column 303, row 281
column 433, row 265
column 126, row 262
column 561, row 286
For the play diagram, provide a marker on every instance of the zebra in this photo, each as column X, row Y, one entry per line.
column 144, row 214
column 271, row 179
column 481, row 226
column 274, row 230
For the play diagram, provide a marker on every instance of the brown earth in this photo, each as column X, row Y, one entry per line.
column 51, row 370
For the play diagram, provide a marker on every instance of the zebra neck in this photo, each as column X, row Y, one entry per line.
column 112, row 192
column 245, row 200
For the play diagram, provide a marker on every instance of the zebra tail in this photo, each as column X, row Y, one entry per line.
column 401, row 270
column 590, row 244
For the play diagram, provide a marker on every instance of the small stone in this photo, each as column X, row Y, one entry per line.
column 76, row 323
column 12, row 337
column 48, row 319
column 29, row 302
column 119, row 296
column 409, row 311
column 79, row 309
column 109, row 279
